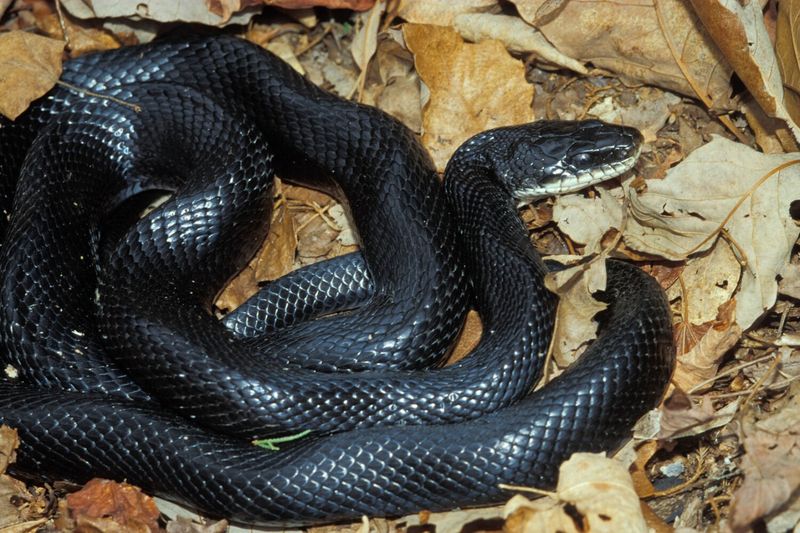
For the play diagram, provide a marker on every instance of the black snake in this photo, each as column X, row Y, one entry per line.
column 103, row 330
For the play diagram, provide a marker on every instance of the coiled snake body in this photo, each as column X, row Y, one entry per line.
column 120, row 364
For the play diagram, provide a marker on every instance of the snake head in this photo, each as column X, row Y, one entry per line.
column 554, row 157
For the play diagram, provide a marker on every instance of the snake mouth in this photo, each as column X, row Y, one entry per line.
column 569, row 181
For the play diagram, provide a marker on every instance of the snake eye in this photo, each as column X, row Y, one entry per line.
column 582, row 158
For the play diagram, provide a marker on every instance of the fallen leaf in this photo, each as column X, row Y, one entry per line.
column 29, row 67
column 365, row 41
column 473, row 87
column 82, row 40
column 516, row 35
column 771, row 464
column 225, row 9
column 707, row 281
column 714, row 339
column 9, row 440
column 355, row 5
column 723, row 184
column 598, row 488
column 587, row 219
column 468, row 339
column 629, row 40
column 441, row 12
column 681, row 417
column 740, row 32
column 102, row 505
column 575, row 326
column 392, row 83
column 186, row 525
column 156, row 10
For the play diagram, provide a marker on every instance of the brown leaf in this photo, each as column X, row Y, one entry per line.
column 627, row 38
column 29, row 67
column 185, row 525
column 82, row 39
column 110, row 506
column 441, row 12
column 473, row 87
column 9, row 440
column 468, row 339
column 224, row 9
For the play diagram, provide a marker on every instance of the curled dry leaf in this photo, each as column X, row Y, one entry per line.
column 473, row 87
column 724, row 185
column 681, row 417
column 106, row 505
column 738, row 30
column 577, row 307
column 599, row 489
column 515, row 34
column 365, row 41
column 82, row 40
column 29, row 67
column 630, row 39
column 469, row 337
column 701, row 348
column 771, row 464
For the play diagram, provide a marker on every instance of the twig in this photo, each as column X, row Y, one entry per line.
column 81, row 91
column 63, row 25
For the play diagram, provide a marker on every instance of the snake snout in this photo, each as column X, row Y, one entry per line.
column 555, row 157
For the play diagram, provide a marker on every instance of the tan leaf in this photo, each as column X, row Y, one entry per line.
column 365, row 41
column 157, row 10
column 392, row 82
column 8, row 444
column 628, row 39
column 707, row 281
column 29, row 67
column 82, row 39
column 771, row 464
column 587, row 219
column 575, row 326
column 225, row 9
column 441, row 12
column 727, row 185
column 473, row 87
column 701, row 362
column 681, row 417
column 355, row 5
column 186, row 525
column 600, row 489
column 469, row 337
column 104, row 504
column 515, row 34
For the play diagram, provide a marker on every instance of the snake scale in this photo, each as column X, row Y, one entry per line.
column 115, row 366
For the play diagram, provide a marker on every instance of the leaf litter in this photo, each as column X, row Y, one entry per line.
column 711, row 211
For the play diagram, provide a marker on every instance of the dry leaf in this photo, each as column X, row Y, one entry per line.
column 599, row 489
column 156, row 10
column 365, row 41
column 82, row 40
column 442, row 12
column 473, row 87
column 701, row 362
column 29, row 67
column 225, row 9
column 104, row 504
column 515, row 34
column 587, row 219
column 627, row 39
column 468, row 339
column 708, row 281
column 186, row 525
column 577, row 307
column 355, row 5
column 729, row 185
column 392, row 82
column 771, row 464
column 739, row 31
column 681, row 417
